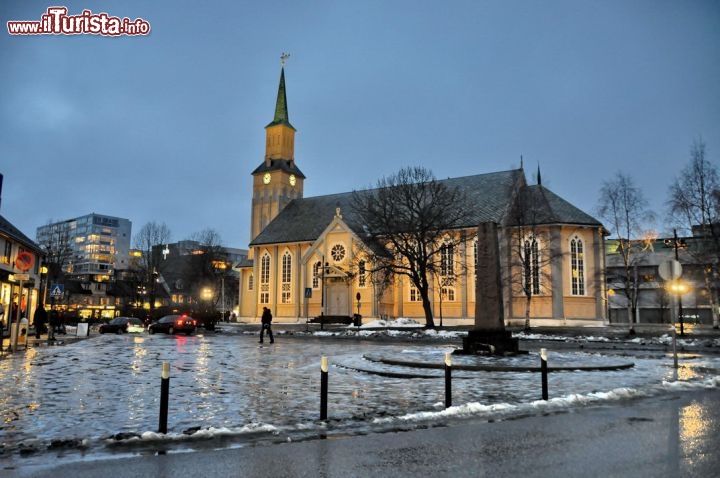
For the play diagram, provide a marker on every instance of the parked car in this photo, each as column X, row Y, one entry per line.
column 171, row 324
column 123, row 325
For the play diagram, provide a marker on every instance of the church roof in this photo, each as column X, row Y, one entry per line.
column 541, row 206
column 488, row 195
column 279, row 164
column 304, row 220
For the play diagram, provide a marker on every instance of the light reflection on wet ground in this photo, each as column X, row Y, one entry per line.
column 107, row 385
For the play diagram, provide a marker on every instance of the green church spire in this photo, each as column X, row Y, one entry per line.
column 281, row 110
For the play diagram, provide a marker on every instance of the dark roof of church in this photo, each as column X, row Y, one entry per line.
column 303, row 220
column 488, row 195
column 542, row 206
column 281, row 164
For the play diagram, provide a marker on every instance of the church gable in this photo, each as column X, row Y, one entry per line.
column 337, row 242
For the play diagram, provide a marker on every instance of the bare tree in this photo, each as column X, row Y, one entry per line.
column 411, row 218
column 530, row 248
column 695, row 204
column 210, row 268
column 624, row 208
column 150, row 235
column 54, row 240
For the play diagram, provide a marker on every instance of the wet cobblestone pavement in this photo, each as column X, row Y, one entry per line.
column 101, row 395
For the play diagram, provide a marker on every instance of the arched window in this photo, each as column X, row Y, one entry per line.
column 251, row 279
column 317, row 271
column 286, row 278
column 531, row 265
column 265, row 279
column 577, row 266
column 447, row 260
column 362, row 274
column 475, row 254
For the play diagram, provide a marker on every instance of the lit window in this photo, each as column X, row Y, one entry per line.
column 448, row 294
column 447, row 259
column 7, row 253
column 577, row 266
column 265, row 279
column 362, row 277
column 317, row 270
column 531, row 266
column 286, row 278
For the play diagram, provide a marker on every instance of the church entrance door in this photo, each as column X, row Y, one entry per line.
column 337, row 300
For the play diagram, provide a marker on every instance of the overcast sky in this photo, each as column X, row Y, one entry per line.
column 168, row 127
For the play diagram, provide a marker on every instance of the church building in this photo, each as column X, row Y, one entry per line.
column 305, row 255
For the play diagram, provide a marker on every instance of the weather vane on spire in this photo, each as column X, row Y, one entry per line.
column 283, row 58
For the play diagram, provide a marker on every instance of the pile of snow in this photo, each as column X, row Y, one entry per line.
column 381, row 323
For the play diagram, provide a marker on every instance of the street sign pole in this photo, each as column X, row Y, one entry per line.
column 24, row 261
column 17, row 319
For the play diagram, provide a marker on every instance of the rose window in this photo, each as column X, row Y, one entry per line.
column 338, row 252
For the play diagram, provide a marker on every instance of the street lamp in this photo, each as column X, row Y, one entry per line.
column 608, row 297
column 678, row 244
column 43, row 284
column 155, row 276
column 206, row 294
column 679, row 288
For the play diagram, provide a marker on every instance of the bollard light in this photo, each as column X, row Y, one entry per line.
column 448, row 380
column 164, row 396
column 323, row 364
column 674, row 347
column 323, row 387
column 544, row 373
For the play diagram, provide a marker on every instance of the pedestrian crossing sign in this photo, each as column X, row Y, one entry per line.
column 56, row 290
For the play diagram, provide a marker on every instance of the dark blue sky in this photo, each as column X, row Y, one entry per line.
column 167, row 127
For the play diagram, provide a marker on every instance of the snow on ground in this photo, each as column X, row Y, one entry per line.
column 404, row 327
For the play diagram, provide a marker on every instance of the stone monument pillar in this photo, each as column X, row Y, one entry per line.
column 489, row 334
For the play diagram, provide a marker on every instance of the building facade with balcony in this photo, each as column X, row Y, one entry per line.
column 85, row 254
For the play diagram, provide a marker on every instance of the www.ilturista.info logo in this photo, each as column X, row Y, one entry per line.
column 57, row 22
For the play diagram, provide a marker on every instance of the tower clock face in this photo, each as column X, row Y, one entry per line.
column 292, row 180
column 266, row 178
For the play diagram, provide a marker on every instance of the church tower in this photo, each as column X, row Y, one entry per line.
column 277, row 181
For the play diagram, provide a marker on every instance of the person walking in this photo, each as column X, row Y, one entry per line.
column 266, row 320
column 40, row 318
